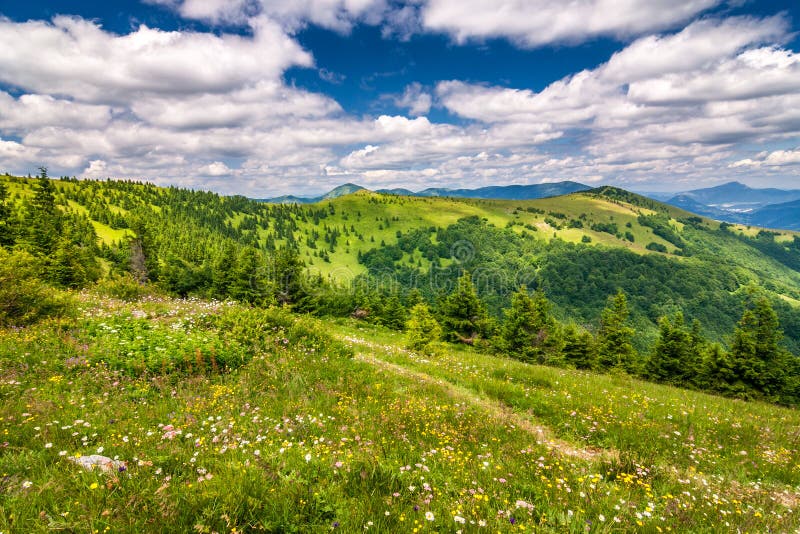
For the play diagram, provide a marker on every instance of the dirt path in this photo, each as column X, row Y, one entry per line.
column 542, row 434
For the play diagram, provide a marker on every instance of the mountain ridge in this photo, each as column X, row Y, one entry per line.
column 492, row 192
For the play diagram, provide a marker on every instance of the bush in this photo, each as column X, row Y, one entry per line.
column 423, row 329
column 123, row 287
column 656, row 247
column 24, row 298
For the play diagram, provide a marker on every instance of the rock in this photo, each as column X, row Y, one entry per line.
column 104, row 463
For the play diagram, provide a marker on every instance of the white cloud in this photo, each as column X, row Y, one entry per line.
column 415, row 99
column 539, row 22
column 216, row 168
column 88, row 64
column 338, row 15
column 212, row 110
column 32, row 111
column 667, row 109
column 776, row 158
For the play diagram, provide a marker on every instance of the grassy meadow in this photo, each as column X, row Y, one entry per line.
column 233, row 419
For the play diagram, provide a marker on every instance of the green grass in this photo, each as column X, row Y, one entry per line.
column 334, row 426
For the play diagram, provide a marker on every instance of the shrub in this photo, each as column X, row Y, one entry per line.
column 24, row 298
column 123, row 287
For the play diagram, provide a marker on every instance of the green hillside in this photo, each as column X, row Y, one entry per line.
column 579, row 248
column 221, row 418
column 391, row 364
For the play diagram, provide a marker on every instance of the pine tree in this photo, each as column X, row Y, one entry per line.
column 676, row 353
column 758, row 359
column 614, row 337
column 530, row 332
column 580, row 349
column 394, row 314
column 6, row 224
column 462, row 313
column 423, row 331
column 248, row 282
column 43, row 218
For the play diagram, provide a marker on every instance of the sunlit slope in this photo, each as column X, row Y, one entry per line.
column 302, row 425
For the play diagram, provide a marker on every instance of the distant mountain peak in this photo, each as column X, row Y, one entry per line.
column 497, row 192
column 344, row 189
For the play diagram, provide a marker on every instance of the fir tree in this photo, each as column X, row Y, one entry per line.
column 462, row 313
column 676, row 353
column 580, row 349
column 758, row 359
column 529, row 331
column 423, row 331
column 615, row 349
column 6, row 224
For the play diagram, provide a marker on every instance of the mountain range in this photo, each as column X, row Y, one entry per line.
column 495, row 192
column 732, row 202
column 735, row 202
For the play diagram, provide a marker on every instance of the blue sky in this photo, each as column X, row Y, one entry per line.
column 261, row 97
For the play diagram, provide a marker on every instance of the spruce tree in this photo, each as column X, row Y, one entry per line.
column 614, row 337
column 580, row 349
column 6, row 224
column 758, row 359
column 462, row 313
column 423, row 331
column 530, row 332
column 394, row 314
column 248, row 282
column 676, row 353
column 43, row 217
column 287, row 276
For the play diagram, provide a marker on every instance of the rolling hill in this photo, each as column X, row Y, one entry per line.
column 580, row 248
column 507, row 192
column 734, row 202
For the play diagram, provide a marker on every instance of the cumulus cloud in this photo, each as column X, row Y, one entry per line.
column 212, row 110
column 538, row 22
column 776, row 158
column 338, row 15
column 415, row 99
column 86, row 63
column 217, row 168
column 671, row 114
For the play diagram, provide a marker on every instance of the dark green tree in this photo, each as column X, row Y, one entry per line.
column 529, row 331
column 7, row 237
column 249, row 282
column 287, row 274
column 580, row 349
column 719, row 373
column 462, row 314
column 394, row 314
column 759, row 361
column 677, row 354
column 614, row 337
column 43, row 221
column 222, row 272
